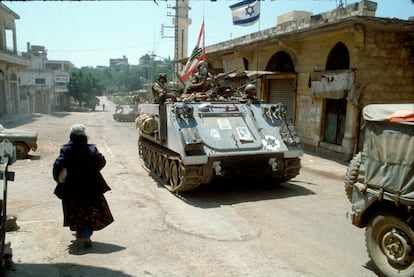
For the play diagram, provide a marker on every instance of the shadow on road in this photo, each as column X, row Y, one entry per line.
column 231, row 192
column 76, row 248
column 14, row 121
column 61, row 269
column 370, row 265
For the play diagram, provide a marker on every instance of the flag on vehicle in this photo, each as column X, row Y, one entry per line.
column 198, row 55
column 246, row 12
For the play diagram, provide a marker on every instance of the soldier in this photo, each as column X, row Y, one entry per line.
column 159, row 89
column 250, row 92
column 200, row 79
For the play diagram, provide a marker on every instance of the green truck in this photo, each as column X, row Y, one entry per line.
column 380, row 185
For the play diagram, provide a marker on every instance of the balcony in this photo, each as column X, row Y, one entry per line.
column 8, row 56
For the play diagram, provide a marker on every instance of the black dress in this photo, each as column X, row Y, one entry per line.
column 83, row 201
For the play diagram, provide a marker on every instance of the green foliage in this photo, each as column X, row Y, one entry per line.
column 121, row 100
column 88, row 82
column 84, row 86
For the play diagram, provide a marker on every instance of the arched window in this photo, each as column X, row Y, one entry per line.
column 338, row 57
column 13, row 77
column 281, row 62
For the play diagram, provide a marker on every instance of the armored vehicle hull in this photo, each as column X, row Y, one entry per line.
column 188, row 144
column 126, row 113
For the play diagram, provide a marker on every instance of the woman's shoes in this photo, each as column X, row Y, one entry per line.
column 87, row 242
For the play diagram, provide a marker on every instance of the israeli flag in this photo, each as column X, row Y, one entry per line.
column 246, row 12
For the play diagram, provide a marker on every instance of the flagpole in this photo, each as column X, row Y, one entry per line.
column 257, row 50
column 204, row 26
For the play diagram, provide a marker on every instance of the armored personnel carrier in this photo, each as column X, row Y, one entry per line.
column 380, row 185
column 190, row 143
column 126, row 113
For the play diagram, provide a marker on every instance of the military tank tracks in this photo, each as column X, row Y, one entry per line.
column 168, row 167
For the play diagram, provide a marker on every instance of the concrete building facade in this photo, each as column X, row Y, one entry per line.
column 11, row 62
column 326, row 68
column 43, row 85
column 119, row 62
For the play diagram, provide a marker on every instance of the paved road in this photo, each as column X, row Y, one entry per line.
column 227, row 229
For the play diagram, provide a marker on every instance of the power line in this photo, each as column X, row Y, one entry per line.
column 96, row 49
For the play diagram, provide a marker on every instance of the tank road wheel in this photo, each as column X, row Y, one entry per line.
column 146, row 156
column 149, row 153
column 176, row 176
column 140, row 148
column 351, row 176
column 166, row 170
column 390, row 245
column 153, row 161
column 143, row 152
column 160, row 164
column 22, row 150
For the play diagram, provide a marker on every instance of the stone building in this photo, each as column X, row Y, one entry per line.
column 43, row 85
column 119, row 62
column 11, row 62
column 326, row 68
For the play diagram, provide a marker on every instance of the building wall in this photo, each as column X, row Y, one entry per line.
column 28, row 77
column 7, row 24
column 9, row 99
column 312, row 56
column 10, row 63
column 48, row 96
column 383, row 74
column 386, row 68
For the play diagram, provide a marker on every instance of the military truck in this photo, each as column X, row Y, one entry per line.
column 191, row 142
column 380, row 185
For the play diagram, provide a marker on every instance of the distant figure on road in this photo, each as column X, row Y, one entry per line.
column 77, row 168
column 103, row 107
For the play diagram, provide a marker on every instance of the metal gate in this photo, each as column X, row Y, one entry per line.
column 283, row 91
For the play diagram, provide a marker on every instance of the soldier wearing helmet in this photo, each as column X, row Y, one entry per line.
column 250, row 92
column 159, row 88
column 160, row 91
column 200, row 78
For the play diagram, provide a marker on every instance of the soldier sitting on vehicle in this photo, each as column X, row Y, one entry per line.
column 200, row 80
column 160, row 91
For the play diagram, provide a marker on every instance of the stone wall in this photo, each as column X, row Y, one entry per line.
column 386, row 68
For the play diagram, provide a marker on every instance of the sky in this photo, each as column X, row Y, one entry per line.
column 89, row 33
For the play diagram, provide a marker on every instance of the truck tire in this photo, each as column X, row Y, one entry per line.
column 351, row 176
column 22, row 150
column 390, row 245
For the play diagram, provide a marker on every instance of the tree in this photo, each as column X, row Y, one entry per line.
column 84, row 86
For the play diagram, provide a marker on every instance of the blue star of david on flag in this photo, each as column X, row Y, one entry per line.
column 246, row 12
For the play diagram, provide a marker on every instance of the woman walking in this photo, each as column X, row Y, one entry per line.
column 77, row 171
